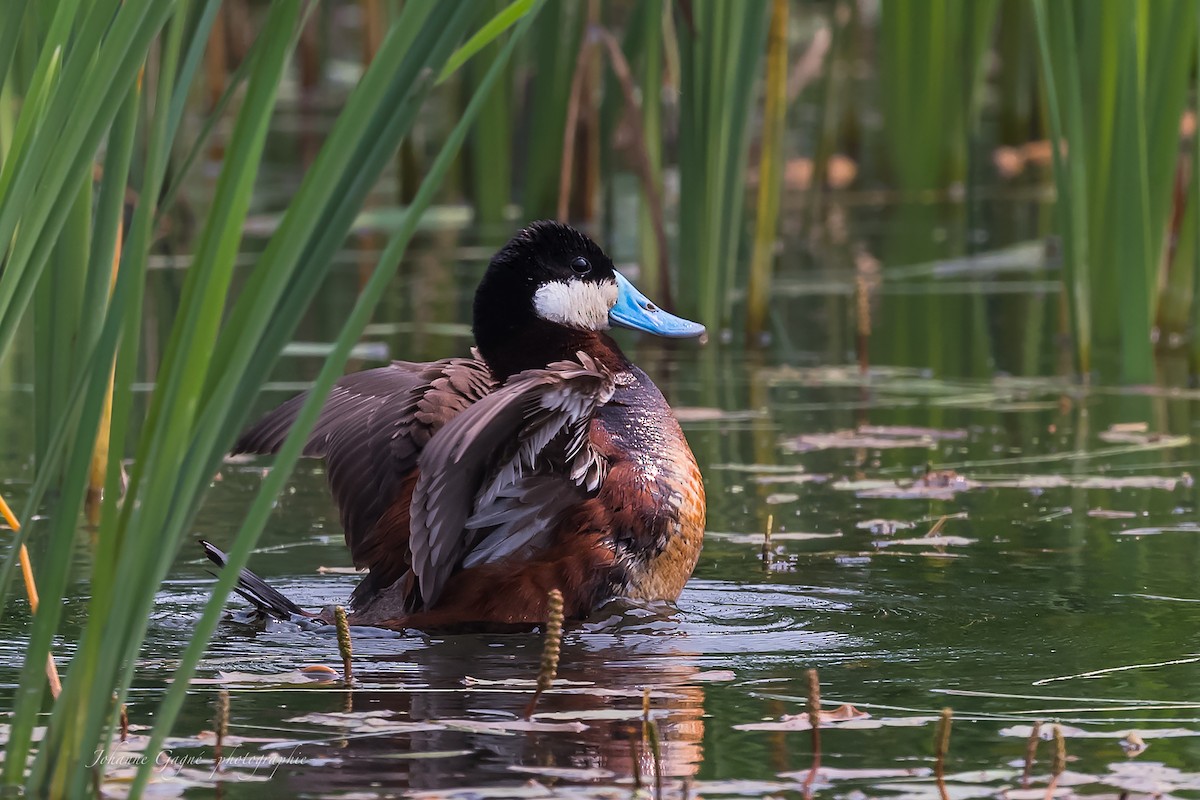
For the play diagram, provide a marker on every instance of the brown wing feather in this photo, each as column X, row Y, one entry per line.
column 466, row 469
column 370, row 432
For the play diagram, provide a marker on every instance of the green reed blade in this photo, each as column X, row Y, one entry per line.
column 177, row 392
column 9, row 34
column 205, row 447
column 505, row 18
column 1130, row 233
column 290, row 451
column 90, row 89
column 1055, row 20
column 489, row 146
column 554, row 42
column 719, row 66
column 650, row 79
column 233, row 87
column 770, row 174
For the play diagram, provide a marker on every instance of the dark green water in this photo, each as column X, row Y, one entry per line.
column 1033, row 580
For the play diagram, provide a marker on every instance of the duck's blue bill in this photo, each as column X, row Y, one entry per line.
column 634, row 310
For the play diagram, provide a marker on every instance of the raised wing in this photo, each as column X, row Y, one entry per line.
column 496, row 478
column 371, row 432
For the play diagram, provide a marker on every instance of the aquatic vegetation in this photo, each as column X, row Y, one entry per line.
column 214, row 360
column 911, row 137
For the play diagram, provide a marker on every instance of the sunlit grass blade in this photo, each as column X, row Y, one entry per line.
column 92, row 88
column 1060, row 76
column 770, row 175
column 505, row 18
column 719, row 63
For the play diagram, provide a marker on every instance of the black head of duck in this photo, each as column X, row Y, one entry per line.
column 551, row 292
column 470, row 487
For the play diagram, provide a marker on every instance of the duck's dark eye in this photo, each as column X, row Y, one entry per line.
column 581, row 266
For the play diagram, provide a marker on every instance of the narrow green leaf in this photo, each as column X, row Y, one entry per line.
column 506, row 18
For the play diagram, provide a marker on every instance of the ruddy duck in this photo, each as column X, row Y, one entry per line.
column 470, row 487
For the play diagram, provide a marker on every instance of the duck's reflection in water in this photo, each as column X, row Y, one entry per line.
column 587, row 729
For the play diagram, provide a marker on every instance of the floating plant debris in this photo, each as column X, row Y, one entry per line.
column 884, row 527
column 800, row 722
column 872, row 437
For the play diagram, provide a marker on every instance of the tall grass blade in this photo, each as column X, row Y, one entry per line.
column 1060, row 76
column 719, row 62
column 290, row 451
column 770, row 174
column 505, row 18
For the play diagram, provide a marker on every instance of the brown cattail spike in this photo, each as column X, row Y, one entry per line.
column 553, row 642
column 343, row 636
column 1060, row 761
column 1060, row 751
column 551, row 645
column 221, row 725
column 1031, row 745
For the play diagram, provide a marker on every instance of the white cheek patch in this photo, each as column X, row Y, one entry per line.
column 577, row 304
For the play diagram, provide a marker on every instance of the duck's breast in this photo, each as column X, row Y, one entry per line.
column 653, row 493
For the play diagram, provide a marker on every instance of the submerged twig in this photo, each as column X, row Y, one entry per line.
column 814, row 721
column 551, row 646
column 941, row 747
column 344, row 646
column 1031, row 746
column 937, row 526
column 220, row 726
column 32, row 593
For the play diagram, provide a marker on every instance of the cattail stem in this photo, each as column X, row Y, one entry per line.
column 100, row 454
column 1031, row 745
column 344, row 647
column 124, row 721
column 814, row 721
column 1060, row 751
column 221, row 726
column 32, row 593
column 635, row 758
column 551, row 645
column 941, row 747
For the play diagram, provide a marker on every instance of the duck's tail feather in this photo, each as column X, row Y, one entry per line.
column 255, row 590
